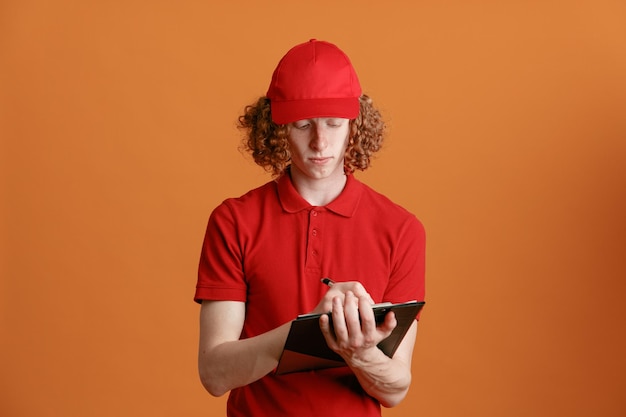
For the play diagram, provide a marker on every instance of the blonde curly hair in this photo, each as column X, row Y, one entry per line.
column 267, row 141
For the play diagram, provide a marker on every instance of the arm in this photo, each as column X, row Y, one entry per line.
column 226, row 362
column 355, row 338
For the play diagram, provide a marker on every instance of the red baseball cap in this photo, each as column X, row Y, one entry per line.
column 314, row 79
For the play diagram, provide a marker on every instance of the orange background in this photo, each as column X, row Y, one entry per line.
column 507, row 139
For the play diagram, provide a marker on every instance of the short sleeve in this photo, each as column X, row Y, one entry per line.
column 407, row 280
column 220, row 270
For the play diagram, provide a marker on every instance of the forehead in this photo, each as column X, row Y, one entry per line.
column 321, row 120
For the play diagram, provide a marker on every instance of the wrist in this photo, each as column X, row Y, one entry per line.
column 367, row 358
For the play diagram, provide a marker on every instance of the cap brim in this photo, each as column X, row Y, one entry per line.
column 284, row 112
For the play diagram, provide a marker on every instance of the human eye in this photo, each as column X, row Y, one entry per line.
column 301, row 125
column 334, row 122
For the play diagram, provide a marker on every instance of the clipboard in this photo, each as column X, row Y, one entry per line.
column 306, row 349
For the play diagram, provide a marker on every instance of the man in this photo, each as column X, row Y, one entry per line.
column 265, row 252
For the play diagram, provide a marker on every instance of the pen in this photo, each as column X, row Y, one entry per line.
column 328, row 281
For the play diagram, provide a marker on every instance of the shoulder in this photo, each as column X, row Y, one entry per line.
column 376, row 205
column 250, row 199
column 247, row 207
column 379, row 201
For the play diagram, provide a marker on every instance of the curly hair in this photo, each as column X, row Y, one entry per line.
column 267, row 141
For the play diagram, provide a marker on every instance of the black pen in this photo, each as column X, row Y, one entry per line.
column 328, row 281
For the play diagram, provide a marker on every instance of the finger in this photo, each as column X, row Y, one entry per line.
column 328, row 333
column 352, row 317
column 326, row 303
column 354, row 286
column 388, row 324
column 359, row 290
column 335, row 291
column 339, row 321
column 368, row 320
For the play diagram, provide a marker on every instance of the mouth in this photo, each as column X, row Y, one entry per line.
column 320, row 160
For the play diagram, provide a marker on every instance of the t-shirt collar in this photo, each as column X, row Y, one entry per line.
column 344, row 205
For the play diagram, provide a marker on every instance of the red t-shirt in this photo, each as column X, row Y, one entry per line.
column 270, row 248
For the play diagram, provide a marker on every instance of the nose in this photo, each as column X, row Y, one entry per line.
column 319, row 140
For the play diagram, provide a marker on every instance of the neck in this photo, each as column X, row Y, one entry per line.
column 318, row 192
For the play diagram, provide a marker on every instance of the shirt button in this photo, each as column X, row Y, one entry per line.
column 314, row 213
column 314, row 233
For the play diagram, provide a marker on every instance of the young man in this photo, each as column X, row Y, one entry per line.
column 265, row 253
